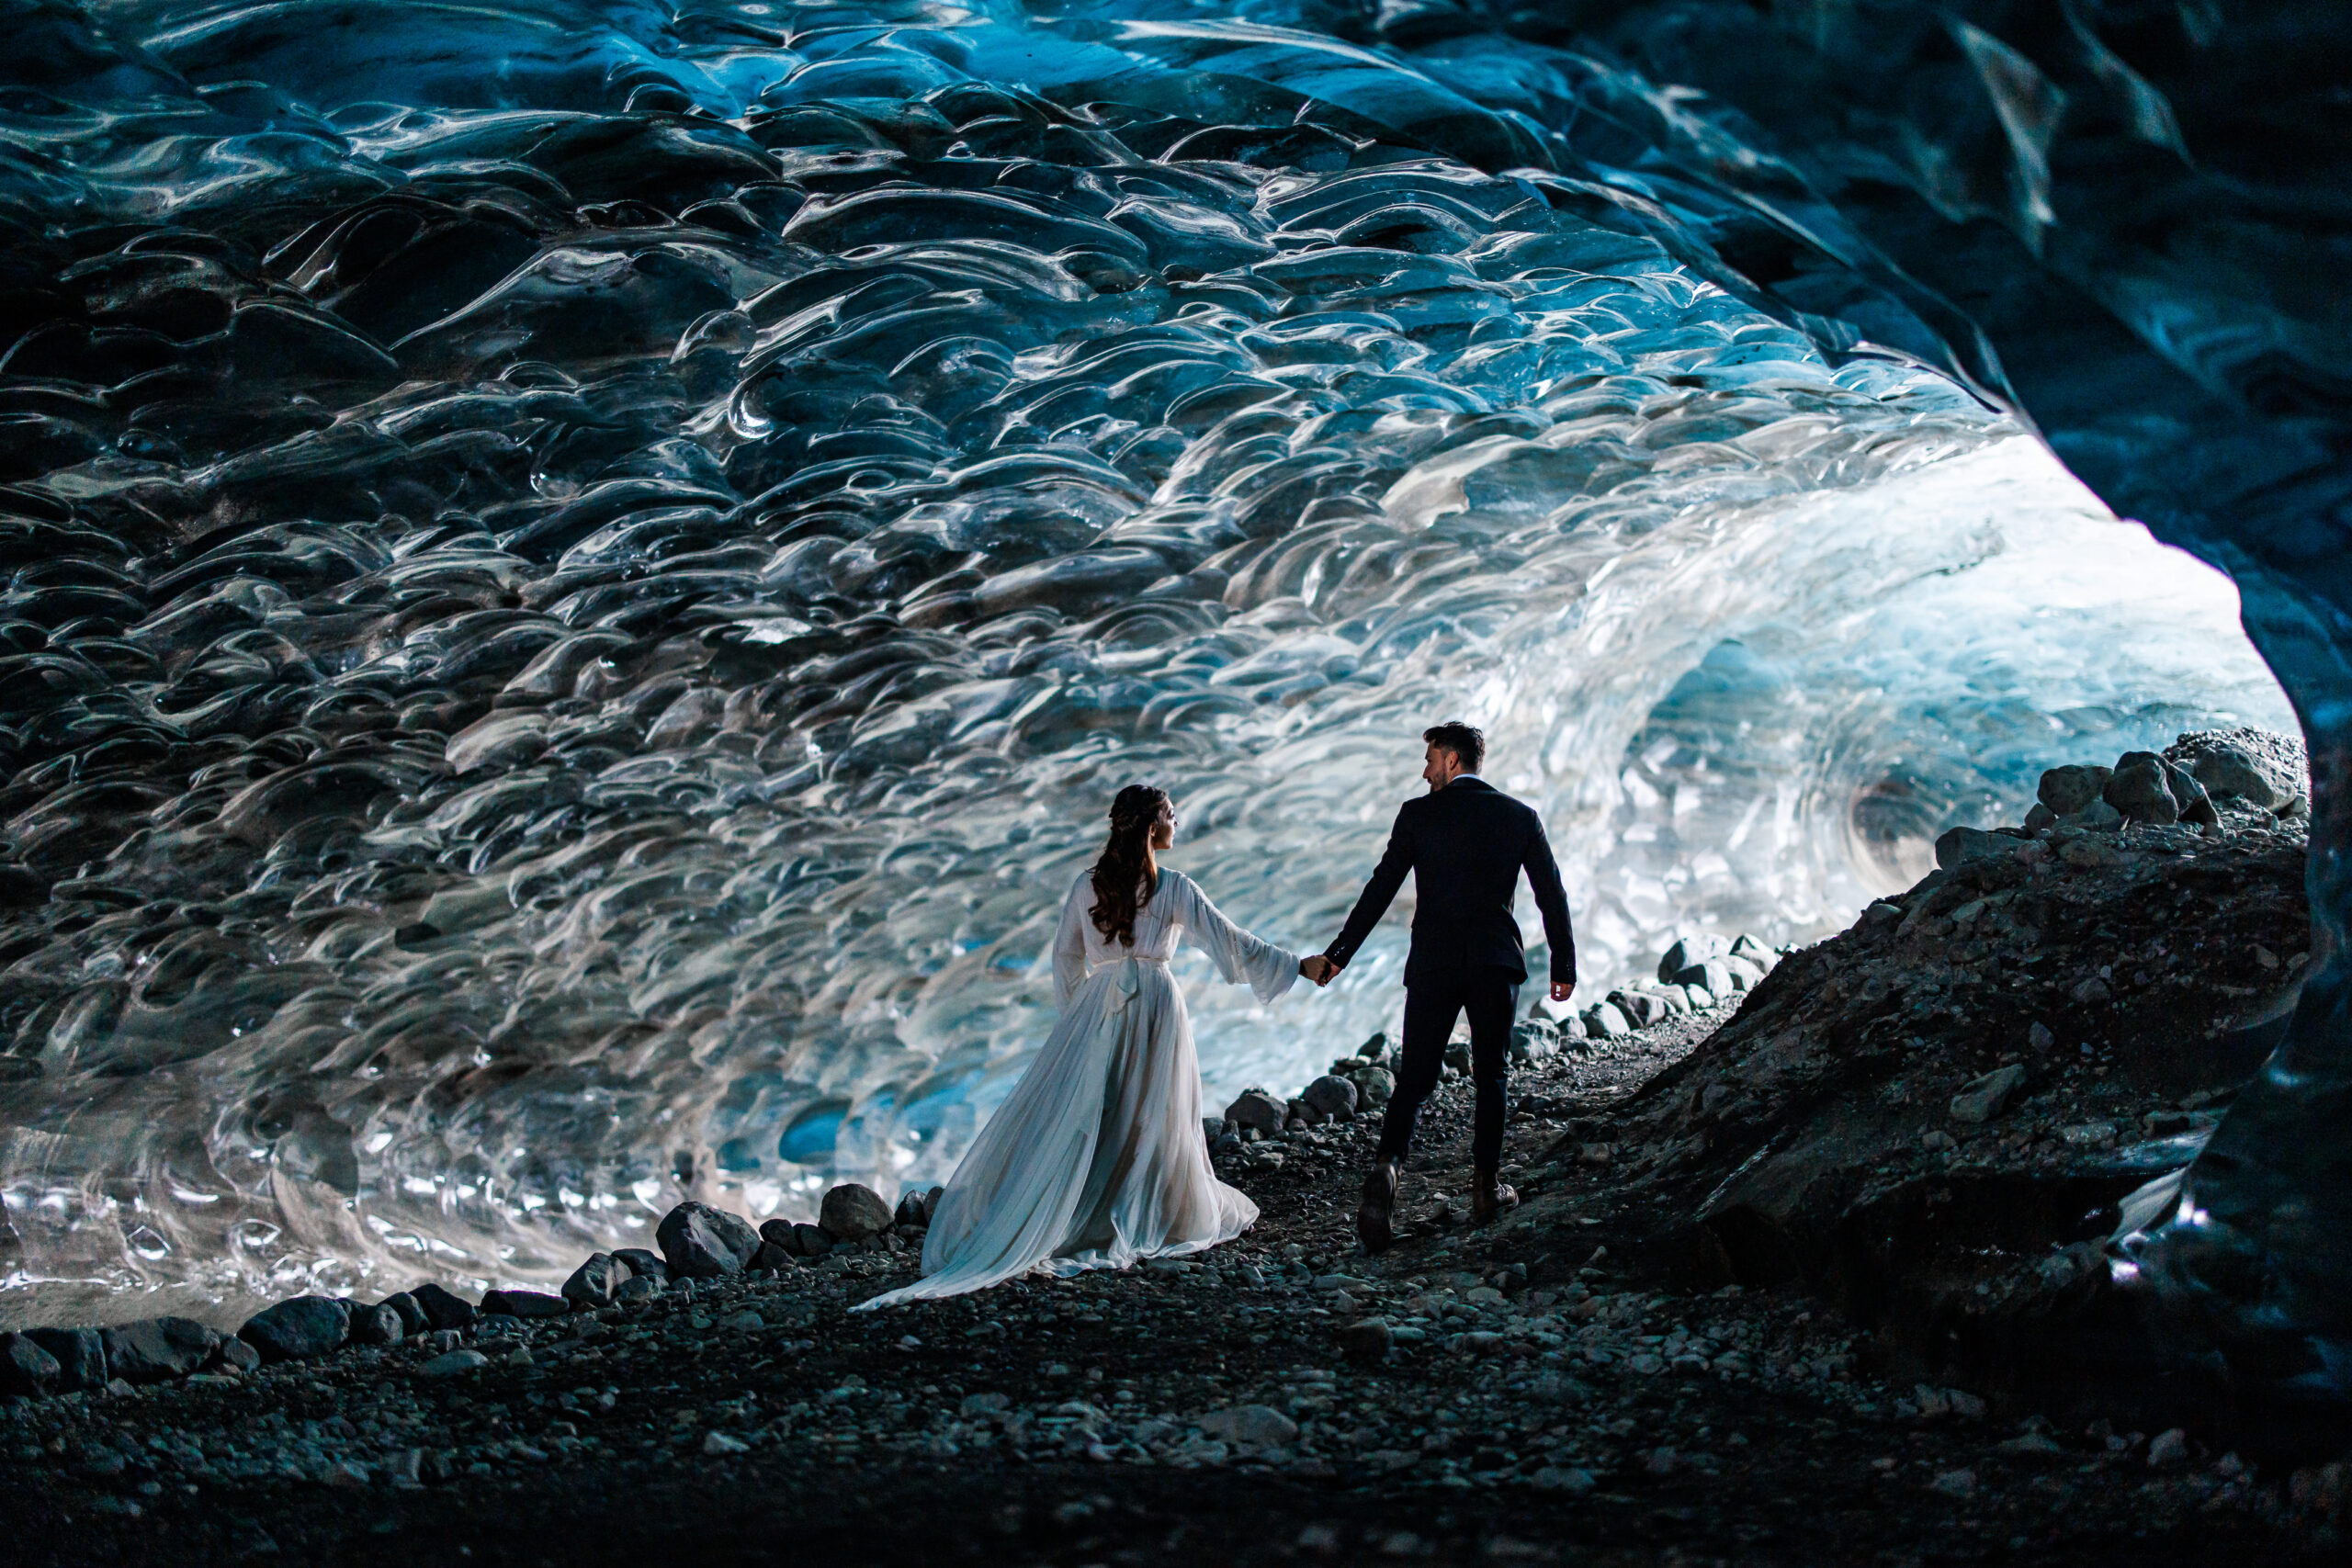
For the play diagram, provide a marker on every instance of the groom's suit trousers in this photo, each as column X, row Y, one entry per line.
column 1490, row 995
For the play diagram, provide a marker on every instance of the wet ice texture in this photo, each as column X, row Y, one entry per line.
column 579, row 577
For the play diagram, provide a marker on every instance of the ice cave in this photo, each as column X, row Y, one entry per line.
column 579, row 572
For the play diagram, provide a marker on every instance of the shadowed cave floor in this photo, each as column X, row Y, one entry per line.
column 1896, row 1349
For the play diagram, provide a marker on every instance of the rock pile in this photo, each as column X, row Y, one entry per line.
column 697, row 1243
column 1931, row 1119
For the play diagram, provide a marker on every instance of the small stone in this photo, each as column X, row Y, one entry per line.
column 377, row 1324
column 744, row 1322
column 80, row 1353
column 852, row 1212
column 1689, row 953
column 346, row 1472
column 1366, row 1339
column 451, row 1362
column 702, row 1243
column 1261, row 1424
column 811, row 1241
column 715, row 1443
column 1661, row 1462
column 595, row 1282
column 980, row 1406
column 2039, row 1037
column 1988, row 1097
column 296, row 1330
column 2168, row 1448
column 24, row 1367
column 1955, row 1484
column 412, row 1316
column 914, row 1206
column 1567, row 1480
column 1602, row 1020
column 642, row 1264
column 1256, row 1111
column 236, row 1356
column 158, row 1349
column 1332, row 1096
column 528, row 1305
column 444, row 1308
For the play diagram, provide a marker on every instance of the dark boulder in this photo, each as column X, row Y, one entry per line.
column 2140, row 789
column 444, row 1308
column 412, row 1316
column 298, row 1330
column 524, row 1303
column 595, row 1282
column 2068, row 789
column 913, row 1209
column 378, row 1325
column 702, row 1243
column 81, row 1356
column 24, row 1367
column 158, row 1349
column 852, row 1212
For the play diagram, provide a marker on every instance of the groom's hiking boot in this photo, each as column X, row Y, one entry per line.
column 1379, row 1201
column 1489, row 1196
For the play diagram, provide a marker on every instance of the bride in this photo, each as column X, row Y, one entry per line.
column 1097, row 1159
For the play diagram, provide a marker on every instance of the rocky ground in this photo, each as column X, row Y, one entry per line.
column 1815, row 1276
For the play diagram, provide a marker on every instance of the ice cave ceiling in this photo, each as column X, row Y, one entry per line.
column 578, row 574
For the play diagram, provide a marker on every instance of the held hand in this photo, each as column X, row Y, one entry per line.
column 1317, row 968
column 1561, row 988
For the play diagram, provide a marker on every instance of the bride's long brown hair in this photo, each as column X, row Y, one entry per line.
column 1125, row 878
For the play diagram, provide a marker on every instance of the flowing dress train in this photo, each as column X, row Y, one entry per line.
column 1097, row 1159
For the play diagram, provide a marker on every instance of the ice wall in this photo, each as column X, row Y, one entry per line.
column 580, row 578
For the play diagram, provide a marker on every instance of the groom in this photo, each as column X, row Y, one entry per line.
column 1465, row 844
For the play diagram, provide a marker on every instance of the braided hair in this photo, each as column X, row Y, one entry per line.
column 1125, row 878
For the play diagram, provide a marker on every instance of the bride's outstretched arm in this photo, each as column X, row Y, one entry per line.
column 1069, row 943
column 1238, row 956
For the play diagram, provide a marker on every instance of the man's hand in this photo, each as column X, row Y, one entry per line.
column 1562, row 988
column 1317, row 968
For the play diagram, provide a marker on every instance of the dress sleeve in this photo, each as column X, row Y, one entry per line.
column 1070, row 942
column 1238, row 956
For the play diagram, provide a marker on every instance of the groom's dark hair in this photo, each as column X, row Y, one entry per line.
column 1467, row 744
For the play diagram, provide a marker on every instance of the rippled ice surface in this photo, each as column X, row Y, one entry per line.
column 580, row 578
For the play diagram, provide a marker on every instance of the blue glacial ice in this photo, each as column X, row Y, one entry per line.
column 580, row 574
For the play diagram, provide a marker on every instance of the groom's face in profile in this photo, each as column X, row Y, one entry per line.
column 1439, row 768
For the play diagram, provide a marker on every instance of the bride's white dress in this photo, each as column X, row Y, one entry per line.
column 1097, row 1159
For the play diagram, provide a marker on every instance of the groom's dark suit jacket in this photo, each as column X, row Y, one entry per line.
column 1465, row 845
